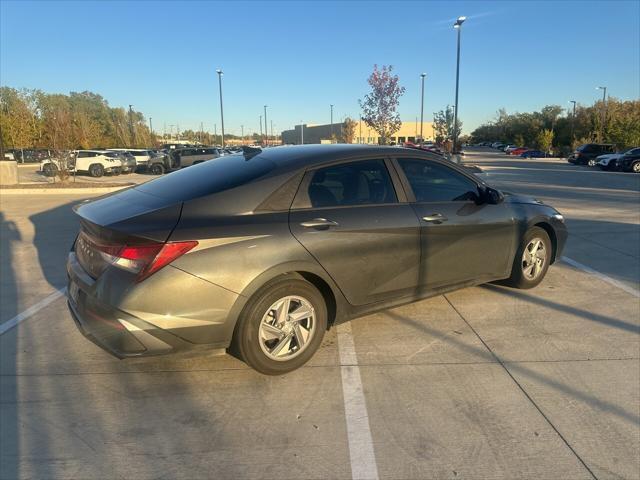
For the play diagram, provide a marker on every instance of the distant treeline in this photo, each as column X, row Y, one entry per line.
column 613, row 121
column 34, row 119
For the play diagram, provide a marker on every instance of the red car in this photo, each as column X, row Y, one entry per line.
column 518, row 151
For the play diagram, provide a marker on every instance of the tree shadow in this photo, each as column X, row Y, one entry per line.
column 522, row 369
column 9, row 445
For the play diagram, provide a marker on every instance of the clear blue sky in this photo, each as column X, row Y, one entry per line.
column 299, row 57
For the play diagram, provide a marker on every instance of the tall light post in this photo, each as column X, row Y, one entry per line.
column 131, row 125
column 458, row 27
column 422, row 75
column 261, row 137
column 573, row 121
column 266, row 129
column 220, row 73
column 151, row 125
column 331, row 123
column 604, row 111
column 301, row 133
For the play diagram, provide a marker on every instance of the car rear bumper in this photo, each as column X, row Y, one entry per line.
column 129, row 328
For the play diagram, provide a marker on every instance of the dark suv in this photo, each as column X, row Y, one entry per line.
column 586, row 154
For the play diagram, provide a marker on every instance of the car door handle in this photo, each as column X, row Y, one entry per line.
column 319, row 224
column 435, row 218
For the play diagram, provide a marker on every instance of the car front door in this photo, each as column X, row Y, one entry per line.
column 461, row 239
column 353, row 220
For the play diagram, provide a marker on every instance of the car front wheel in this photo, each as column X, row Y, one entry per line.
column 157, row 169
column 635, row 168
column 592, row 162
column 281, row 327
column 532, row 259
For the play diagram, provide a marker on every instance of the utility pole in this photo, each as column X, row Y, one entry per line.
column 604, row 111
column 573, row 121
column 331, row 123
column 422, row 75
column 266, row 130
column 131, row 125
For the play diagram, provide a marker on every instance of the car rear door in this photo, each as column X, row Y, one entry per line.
column 353, row 218
column 461, row 240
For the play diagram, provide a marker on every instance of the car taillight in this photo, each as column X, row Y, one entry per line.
column 145, row 259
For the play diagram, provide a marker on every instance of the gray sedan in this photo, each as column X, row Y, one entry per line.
column 261, row 252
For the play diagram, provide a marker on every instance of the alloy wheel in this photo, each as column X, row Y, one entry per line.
column 534, row 258
column 636, row 167
column 287, row 328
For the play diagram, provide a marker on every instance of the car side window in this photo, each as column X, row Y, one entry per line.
column 432, row 182
column 82, row 155
column 366, row 182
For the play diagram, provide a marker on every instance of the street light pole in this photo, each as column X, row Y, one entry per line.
column 422, row 75
column 331, row 123
column 266, row 129
column 604, row 111
column 220, row 73
column 458, row 27
column 301, row 133
column 131, row 125
column 151, row 125
column 261, row 137
column 573, row 121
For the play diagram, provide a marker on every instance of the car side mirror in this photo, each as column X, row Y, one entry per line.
column 491, row 196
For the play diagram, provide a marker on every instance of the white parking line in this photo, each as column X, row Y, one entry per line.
column 363, row 459
column 32, row 310
column 605, row 278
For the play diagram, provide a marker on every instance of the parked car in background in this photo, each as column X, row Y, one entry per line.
column 94, row 162
column 586, row 154
column 630, row 161
column 610, row 161
column 185, row 157
column 128, row 162
column 159, row 162
column 533, row 154
column 255, row 252
column 509, row 148
column 518, row 151
column 140, row 155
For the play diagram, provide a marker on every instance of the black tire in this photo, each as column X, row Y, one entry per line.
column 49, row 169
column 246, row 342
column 520, row 279
column 635, row 167
column 96, row 170
column 591, row 162
column 157, row 169
column 116, row 171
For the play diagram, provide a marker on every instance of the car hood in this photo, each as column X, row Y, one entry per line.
column 510, row 197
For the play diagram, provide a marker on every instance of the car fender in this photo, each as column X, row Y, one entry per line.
column 296, row 269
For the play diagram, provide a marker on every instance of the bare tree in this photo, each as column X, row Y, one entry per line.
column 348, row 130
column 380, row 106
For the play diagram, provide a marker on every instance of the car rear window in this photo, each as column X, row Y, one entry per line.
column 209, row 177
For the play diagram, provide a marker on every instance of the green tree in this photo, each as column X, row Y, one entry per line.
column 545, row 140
column 443, row 125
column 379, row 108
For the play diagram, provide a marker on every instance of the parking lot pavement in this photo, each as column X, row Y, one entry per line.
column 486, row 382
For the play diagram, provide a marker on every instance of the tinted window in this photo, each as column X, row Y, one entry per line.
column 208, row 177
column 83, row 154
column 358, row 183
column 432, row 182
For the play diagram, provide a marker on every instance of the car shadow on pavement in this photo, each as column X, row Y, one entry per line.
column 521, row 369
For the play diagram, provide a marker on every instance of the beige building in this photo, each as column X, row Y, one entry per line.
column 409, row 132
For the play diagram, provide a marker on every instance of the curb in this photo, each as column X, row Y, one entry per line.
column 55, row 191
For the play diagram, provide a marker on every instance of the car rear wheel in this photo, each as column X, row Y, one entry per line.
column 49, row 169
column 281, row 327
column 532, row 259
column 592, row 162
column 96, row 170
column 635, row 168
column 157, row 169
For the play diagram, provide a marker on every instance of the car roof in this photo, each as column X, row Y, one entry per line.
column 299, row 156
